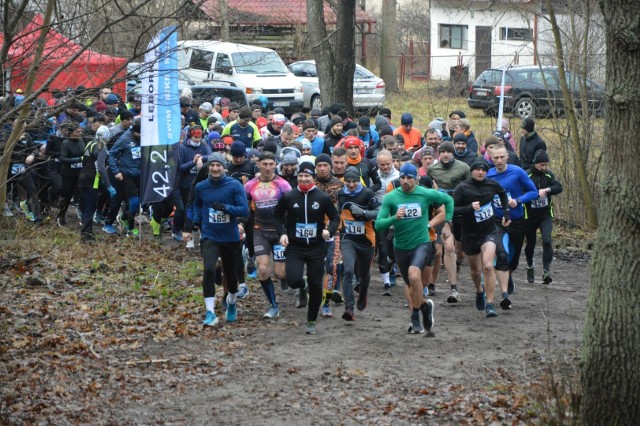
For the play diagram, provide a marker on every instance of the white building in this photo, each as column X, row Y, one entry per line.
column 480, row 35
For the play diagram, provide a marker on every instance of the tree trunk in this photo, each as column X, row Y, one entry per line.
column 388, row 49
column 333, row 65
column 224, row 20
column 611, row 356
column 572, row 121
column 345, row 53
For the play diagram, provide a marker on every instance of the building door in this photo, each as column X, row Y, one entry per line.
column 483, row 49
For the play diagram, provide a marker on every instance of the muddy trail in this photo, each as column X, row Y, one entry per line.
column 105, row 342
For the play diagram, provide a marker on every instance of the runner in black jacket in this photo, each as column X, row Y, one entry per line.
column 539, row 215
column 303, row 232
column 473, row 200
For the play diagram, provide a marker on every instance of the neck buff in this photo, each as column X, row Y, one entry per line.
column 449, row 164
column 306, row 187
column 355, row 191
column 354, row 161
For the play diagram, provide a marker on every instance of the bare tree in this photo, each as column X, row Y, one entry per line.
column 335, row 63
column 84, row 38
column 611, row 360
column 388, row 44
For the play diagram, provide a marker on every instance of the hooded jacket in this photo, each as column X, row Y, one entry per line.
column 124, row 156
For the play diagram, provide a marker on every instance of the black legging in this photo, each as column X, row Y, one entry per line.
column 211, row 251
column 546, row 226
column 69, row 189
column 296, row 258
column 352, row 251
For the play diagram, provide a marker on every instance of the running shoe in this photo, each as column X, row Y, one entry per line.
column 530, row 274
column 432, row 289
column 24, row 207
column 361, row 304
column 311, row 327
column 491, row 311
column 243, row 292
column 427, row 314
column 336, row 297
column 253, row 275
column 511, row 286
column 326, row 312
column 348, row 314
column 273, row 312
column 31, row 217
column 7, row 212
column 191, row 244
column 232, row 312
column 135, row 232
column 177, row 235
column 301, row 298
column 210, row 319
column 546, row 277
column 505, row 303
column 97, row 218
column 387, row 290
column 416, row 327
column 454, row 297
column 155, row 226
column 109, row 229
column 251, row 266
column 480, row 301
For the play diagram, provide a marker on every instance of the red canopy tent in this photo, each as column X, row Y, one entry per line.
column 90, row 69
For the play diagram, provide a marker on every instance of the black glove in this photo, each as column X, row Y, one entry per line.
column 219, row 207
column 356, row 211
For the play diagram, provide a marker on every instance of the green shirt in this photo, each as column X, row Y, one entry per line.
column 413, row 229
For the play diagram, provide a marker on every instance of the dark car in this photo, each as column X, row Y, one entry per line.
column 530, row 91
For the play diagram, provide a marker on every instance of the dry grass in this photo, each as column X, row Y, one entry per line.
column 428, row 100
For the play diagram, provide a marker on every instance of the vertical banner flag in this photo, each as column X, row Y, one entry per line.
column 160, row 117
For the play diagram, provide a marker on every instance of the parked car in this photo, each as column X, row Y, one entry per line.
column 259, row 71
column 208, row 92
column 368, row 90
column 530, row 91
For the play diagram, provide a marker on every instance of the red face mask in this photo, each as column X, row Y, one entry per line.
column 196, row 133
column 306, row 187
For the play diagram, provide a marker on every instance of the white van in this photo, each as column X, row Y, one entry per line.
column 259, row 71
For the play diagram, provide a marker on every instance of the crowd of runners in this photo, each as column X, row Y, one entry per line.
column 309, row 201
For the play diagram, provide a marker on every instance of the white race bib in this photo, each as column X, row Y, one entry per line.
column 354, row 227
column 496, row 200
column 485, row 212
column 135, row 152
column 306, row 230
column 278, row 253
column 540, row 203
column 412, row 210
column 216, row 216
column 16, row 169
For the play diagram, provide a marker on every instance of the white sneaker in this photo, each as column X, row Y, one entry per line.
column 454, row 297
column 191, row 244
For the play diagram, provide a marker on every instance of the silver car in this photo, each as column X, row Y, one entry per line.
column 368, row 89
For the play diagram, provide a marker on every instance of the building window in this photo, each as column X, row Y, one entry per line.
column 453, row 36
column 520, row 34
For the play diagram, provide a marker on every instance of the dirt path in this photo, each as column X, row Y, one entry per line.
column 474, row 371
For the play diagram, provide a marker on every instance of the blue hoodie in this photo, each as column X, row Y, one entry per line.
column 219, row 226
column 124, row 156
column 518, row 185
column 187, row 167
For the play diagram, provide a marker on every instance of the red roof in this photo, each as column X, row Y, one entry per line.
column 273, row 12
